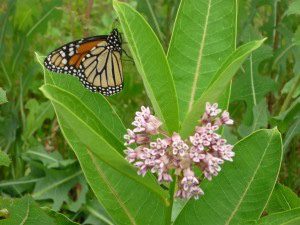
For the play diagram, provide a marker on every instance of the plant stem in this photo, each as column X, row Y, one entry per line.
column 171, row 194
column 289, row 97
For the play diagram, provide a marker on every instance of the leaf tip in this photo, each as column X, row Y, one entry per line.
column 39, row 58
column 260, row 42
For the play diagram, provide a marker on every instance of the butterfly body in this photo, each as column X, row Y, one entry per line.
column 96, row 61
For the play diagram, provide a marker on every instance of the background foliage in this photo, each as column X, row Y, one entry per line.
column 36, row 160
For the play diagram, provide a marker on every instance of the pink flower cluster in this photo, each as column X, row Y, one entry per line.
column 205, row 150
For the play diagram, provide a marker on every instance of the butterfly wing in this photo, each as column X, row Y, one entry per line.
column 101, row 70
column 67, row 58
column 95, row 60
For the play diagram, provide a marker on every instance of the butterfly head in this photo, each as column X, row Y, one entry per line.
column 114, row 41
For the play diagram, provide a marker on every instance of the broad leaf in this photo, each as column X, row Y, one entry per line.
column 56, row 185
column 49, row 159
column 219, row 83
column 282, row 199
column 290, row 217
column 204, row 35
column 126, row 200
column 96, row 214
column 99, row 108
column 289, row 86
column 38, row 113
column 260, row 119
column 85, row 127
column 243, row 187
column 94, row 131
column 26, row 211
column 59, row 218
column 292, row 131
column 147, row 8
column 294, row 8
column 151, row 63
column 249, row 85
column 77, row 106
column 285, row 119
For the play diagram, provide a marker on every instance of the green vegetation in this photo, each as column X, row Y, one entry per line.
column 61, row 146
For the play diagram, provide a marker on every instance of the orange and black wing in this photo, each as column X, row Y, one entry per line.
column 67, row 58
column 95, row 60
column 101, row 70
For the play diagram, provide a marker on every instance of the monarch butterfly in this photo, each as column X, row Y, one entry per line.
column 96, row 61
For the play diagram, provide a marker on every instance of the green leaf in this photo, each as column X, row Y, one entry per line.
column 3, row 98
column 32, row 16
column 204, row 35
column 27, row 11
column 285, row 119
column 49, row 159
column 282, row 199
column 96, row 214
column 243, row 187
column 93, row 130
column 260, row 119
column 251, row 87
column 76, row 106
column 290, row 217
column 56, row 186
column 38, row 113
column 219, row 83
column 289, row 85
column 59, row 218
column 292, row 131
column 24, row 211
column 85, row 126
column 127, row 200
column 151, row 63
column 294, row 8
column 4, row 159
column 106, row 120
column 147, row 8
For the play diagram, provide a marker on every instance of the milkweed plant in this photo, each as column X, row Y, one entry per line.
column 179, row 165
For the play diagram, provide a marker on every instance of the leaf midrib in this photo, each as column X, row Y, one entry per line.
column 33, row 127
column 249, row 183
column 141, row 66
column 39, row 193
column 43, row 155
column 111, row 188
column 285, row 200
column 87, row 108
column 116, row 168
column 27, row 214
column 255, row 122
column 219, row 74
column 90, row 154
column 95, row 213
column 200, row 57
